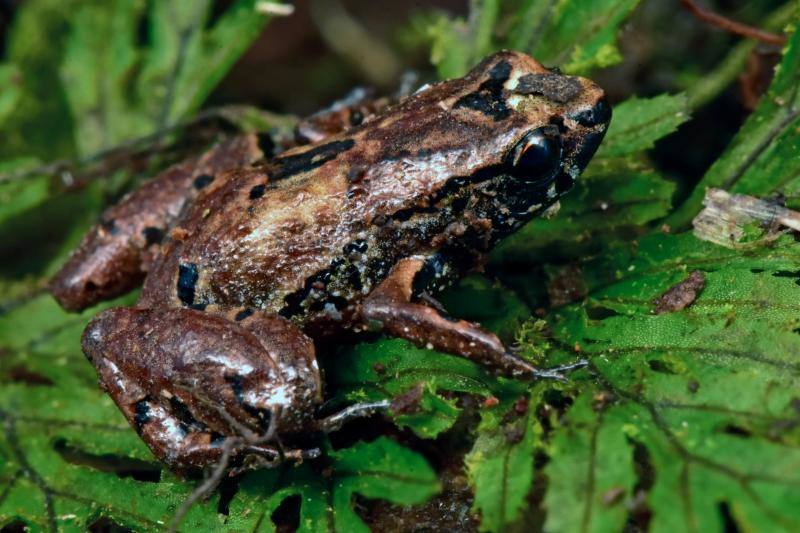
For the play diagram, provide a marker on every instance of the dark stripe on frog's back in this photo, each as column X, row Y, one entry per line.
column 310, row 159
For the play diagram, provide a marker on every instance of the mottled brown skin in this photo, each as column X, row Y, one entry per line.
column 115, row 254
column 350, row 111
column 350, row 233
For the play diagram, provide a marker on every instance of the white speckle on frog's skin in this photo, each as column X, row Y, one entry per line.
column 281, row 396
column 513, row 80
column 289, row 372
column 423, row 88
column 514, row 101
column 171, row 427
column 331, row 311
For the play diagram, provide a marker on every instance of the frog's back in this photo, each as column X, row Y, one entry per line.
column 316, row 228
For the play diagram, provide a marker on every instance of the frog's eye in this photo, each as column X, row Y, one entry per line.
column 537, row 156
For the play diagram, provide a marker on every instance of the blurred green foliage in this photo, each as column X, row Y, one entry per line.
column 682, row 421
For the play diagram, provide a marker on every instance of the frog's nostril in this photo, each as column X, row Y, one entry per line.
column 600, row 113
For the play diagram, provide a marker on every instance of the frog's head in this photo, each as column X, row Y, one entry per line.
column 555, row 124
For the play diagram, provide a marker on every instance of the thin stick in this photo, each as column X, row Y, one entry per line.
column 733, row 26
column 359, row 410
column 205, row 488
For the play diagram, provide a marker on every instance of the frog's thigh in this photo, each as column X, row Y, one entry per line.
column 390, row 305
column 119, row 340
column 111, row 259
column 295, row 356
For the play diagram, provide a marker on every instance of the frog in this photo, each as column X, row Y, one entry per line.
column 251, row 263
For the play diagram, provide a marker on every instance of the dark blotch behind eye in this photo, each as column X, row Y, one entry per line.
column 537, row 156
column 187, row 279
column 257, row 191
column 266, row 145
column 356, row 118
column 152, row 235
column 202, row 180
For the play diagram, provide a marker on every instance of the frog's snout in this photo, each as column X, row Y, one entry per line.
column 597, row 115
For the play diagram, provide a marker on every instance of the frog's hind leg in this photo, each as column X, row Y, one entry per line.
column 113, row 256
column 191, row 383
column 391, row 307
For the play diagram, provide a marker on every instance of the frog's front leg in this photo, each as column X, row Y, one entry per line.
column 390, row 306
column 113, row 256
column 191, row 383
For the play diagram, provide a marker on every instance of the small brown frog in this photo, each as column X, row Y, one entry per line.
column 243, row 270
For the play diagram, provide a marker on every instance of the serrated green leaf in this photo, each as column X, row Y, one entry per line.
column 118, row 90
column 576, row 35
column 500, row 464
column 761, row 158
column 379, row 469
column 639, row 122
column 386, row 369
column 581, row 34
column 703, row 394
column 591, row 472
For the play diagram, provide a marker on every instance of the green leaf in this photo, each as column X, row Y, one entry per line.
column 388, row 368
column 591, row 469
column 581, row 35
column 40, row 124
column 500, row 464
column 639, row 122
column 761, row 158
column 118, row 90
column 705, row 398
column 186, row 60
column 379, row 469
column 576, row 35
column 607, row 202
column 10, row 93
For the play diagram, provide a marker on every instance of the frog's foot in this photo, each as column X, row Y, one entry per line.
column 390, row 306
column 113, row 256
column 262, row 457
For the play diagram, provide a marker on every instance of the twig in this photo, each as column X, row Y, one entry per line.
column 65, row 165
column 275, row 9
column 733, row 26
column 207, row 486
column 703, row 90
column 725, row 217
